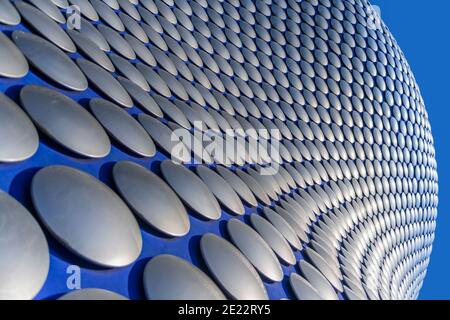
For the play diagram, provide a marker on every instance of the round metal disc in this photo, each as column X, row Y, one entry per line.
column 46, row 26
column 19, row 139
column 141, row 50
column 12, row 62
column 59, row 68
column 154, row 80
column 325, row 268
column 116, row 41
column 91, row 32
column 141, row 97
column 273, row 238
column 191, row 190
column 221, row 189
column 108, row 15
column 303, row 290
column 172, row 111
column 86, row 9
column 318, row 281
column 285, row 229
column 9, row 14
column 168, row 277
column 65, row 121
column 91, row 50
column 92, row 294
column 164, row 138
column 129, row 71
column 238, row 185
column 257, row 251
column 24, row 253
column 151, row 199
column 50, row 9
column 97, row 225
column 123, row 127
column 63, row 4
column 256, row 188
column 105, row 82
column 231, row 269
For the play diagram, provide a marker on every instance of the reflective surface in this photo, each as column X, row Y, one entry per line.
column 191, row 190
column 168, row 277
column 59, row 68
column 123, row 127
column 151, row 199
column 231, row 269
column 303, row 289
column 98, row 226
column 273, row 238
column 12, row 62
column 9, row 14
column 257, row 251
column 65, row 121
column 23, row 251
column 105, row 82
column 45, row 26
column 19, row 139
column 92, row 294
column 221, row 189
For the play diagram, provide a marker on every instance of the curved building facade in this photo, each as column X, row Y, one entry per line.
column 210, row 149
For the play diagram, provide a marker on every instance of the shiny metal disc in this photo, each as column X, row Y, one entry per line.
column 165, row 139
column 231, row 269
column 92, row 294
column 45, row 26
column 141, row 98
column 91, row 50
column 191, row 189
column 256, row 188
column 129, row 71
column 273, row 238
column 12, row 62
column 105, row 82
column 221, row 189
column 65, row 121
column 19, row 139
column 151, row 199
column 285, row 229
column 168, row 277
column 63, row 4
column 50, row 9
column 123, row 127
column 318, row 281
column 98, row 226
column 257, row 251
column 23, row 251
column 60, row 68
column 238, row 185
column 86, row 9
column 303, row 290
column 9, row 14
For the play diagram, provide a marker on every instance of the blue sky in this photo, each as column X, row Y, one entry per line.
column 423, row 32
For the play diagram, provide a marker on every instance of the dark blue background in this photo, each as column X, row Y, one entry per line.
column 422, row 29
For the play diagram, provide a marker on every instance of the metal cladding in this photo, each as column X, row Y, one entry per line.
column 329, row 192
